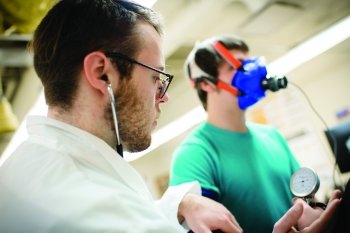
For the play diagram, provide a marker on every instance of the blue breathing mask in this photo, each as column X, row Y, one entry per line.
column 248, row 80
column 249, row 83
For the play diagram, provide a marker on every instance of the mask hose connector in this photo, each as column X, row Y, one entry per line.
column 274, row 83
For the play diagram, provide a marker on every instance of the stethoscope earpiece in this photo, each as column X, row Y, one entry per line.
column 104, row 78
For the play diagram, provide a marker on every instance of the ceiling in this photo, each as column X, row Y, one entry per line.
column 271, row 29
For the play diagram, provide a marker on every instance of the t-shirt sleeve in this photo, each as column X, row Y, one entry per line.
column 193, row 162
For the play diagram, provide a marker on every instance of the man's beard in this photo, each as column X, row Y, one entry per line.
column 133, row 118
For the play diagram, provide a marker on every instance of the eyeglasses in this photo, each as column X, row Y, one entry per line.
column 164, row 78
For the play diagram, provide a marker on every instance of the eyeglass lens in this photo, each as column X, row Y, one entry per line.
column 164, row 82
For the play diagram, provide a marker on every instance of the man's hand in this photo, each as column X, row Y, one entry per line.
column 309, row 220
column 204, row 215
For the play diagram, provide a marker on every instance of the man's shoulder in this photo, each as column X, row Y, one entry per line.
column 31, row 161
column 198, row 136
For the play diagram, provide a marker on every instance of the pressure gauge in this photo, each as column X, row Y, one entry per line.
column 304, row 183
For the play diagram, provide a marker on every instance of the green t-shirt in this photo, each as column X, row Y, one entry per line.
column 249, row 171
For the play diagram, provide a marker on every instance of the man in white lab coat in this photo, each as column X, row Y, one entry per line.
column 102, row 68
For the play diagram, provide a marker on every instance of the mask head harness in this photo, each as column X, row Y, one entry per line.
column 249, row 82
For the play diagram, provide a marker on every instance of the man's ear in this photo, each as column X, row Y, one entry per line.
column 207, row 85
column 95, row 69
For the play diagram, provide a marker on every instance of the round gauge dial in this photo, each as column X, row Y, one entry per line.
column 304, row 182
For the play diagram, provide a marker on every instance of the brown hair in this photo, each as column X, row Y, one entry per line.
column 74, row 28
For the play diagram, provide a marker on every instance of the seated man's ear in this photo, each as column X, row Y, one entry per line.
column 95, row 68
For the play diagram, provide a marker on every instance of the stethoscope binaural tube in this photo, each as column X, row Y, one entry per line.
column 119, row 146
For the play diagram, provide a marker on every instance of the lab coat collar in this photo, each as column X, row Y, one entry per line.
column 85, row 147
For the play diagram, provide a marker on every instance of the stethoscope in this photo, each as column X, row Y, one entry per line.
column 119, row 146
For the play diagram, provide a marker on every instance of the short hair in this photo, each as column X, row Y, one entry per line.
column 74, row 28
column 207, row 60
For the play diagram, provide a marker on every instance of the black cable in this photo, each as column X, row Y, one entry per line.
column 335, row 148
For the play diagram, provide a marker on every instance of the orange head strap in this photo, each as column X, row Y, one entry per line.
column 230, row 59
column 223, row 51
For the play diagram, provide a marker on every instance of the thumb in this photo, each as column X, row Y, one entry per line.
column 289, row 219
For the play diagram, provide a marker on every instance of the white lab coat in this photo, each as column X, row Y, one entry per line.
column 63, row 179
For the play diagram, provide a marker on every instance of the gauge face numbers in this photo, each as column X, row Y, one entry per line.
column 304, row 182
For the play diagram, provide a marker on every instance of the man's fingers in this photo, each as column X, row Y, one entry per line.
column 234, row 221
column 289, row 219
column 229, row 224
column 231, row 228
column 322, row 222
column 335, row 195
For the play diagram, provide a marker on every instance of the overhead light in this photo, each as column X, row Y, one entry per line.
column 312, row 47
